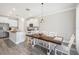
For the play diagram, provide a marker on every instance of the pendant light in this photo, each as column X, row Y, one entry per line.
column 28, row 12
column 42, row 12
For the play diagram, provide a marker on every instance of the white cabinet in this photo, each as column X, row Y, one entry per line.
column 17, row 37
column 11, row 22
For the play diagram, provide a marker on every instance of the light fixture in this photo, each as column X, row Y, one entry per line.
column 12, row 12
column 28, row 12
column 42, row 12
column 13, row 9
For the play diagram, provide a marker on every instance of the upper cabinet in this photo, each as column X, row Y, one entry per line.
column 11, row 22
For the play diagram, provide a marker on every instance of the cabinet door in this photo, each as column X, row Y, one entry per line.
column 12, row 37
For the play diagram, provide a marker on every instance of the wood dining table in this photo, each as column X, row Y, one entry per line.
column 41, row 36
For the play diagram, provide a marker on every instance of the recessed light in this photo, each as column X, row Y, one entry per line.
column 13, row 9
column 8, row 15
column 10, row 12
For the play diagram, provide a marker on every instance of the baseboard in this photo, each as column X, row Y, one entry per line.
column 19, row 42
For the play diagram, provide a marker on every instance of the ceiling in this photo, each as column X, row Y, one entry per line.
column 19, row 9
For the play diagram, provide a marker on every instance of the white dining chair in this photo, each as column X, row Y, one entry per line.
column 34, row 40
column 51, row 46
column 65, row 49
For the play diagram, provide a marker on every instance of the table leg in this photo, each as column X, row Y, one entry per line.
column 33, row 42
column 55, row 50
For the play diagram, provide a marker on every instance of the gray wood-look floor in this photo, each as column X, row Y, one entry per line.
column 7, row 47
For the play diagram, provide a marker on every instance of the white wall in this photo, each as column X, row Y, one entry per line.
column 62, row 23
column 21, row 24
column 77, row 28
column 12, row 23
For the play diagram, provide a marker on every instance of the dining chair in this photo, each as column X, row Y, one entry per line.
column 65, row 49
column 34, row 40
column 51, row 46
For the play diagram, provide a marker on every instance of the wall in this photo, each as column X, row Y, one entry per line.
column 62, row 23
column 21, row 24
column 12, row 23
column 77, row 28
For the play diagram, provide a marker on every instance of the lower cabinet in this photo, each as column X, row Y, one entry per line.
column 17, row 37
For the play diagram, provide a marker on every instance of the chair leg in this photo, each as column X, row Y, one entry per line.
column 55, row 52
column 49, row 50
column 55, row 49
column 69, row 52
column 48, row 53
